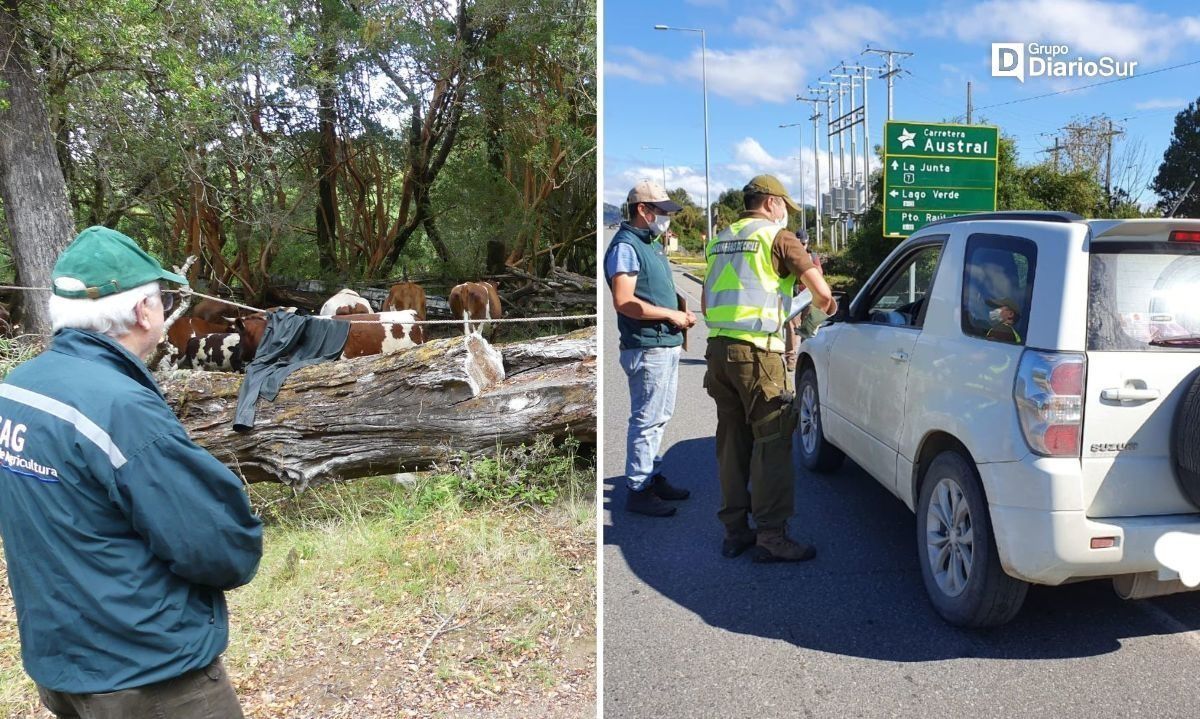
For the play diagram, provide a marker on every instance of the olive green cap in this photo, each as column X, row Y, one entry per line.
column 769, row 185
column 105, row 262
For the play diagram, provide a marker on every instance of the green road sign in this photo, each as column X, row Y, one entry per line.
column 932, row 170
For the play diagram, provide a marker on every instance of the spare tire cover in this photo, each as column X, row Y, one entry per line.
column 1185, row 441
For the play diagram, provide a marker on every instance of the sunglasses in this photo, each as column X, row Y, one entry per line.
column 168, row 300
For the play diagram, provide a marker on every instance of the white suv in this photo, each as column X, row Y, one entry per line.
column 1027, row 384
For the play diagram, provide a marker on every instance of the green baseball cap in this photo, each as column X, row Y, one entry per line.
column 769, row 185
column 105, row 262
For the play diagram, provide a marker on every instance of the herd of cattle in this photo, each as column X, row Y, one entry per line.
column 218, row 336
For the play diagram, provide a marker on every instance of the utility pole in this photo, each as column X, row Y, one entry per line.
column 838, row 195
column 1053, row 151
column 1107, row 134
column 867, row 150
column 841, row 94
column 969, row 108
column 891, row 55
column 816, row 161
column 852, row 205
column 1108, row 160
column 827, row 207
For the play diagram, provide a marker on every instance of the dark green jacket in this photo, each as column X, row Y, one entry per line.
column 655, row 284
column 120, row 532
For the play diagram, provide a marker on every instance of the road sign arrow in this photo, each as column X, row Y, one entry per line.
column 893, row 193
column 895, row 165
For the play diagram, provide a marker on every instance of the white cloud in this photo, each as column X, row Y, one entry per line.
column 847, row 28
column 748, row 158
column 1161, row 104
column 641, row 66
column 767, row 71
column 1088, row 27
column 768, row 74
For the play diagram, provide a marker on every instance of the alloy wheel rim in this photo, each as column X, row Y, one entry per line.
column 808, row 419
column 949, row 537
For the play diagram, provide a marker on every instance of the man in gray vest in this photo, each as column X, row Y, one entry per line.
column 651, row 327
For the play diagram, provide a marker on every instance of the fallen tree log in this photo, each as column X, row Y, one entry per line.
column 394, row 413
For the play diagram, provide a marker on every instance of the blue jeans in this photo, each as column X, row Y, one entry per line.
column 653, row 376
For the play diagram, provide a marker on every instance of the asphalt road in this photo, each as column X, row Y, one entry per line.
column 688, row 633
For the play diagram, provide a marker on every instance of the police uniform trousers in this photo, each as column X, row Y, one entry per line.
column 755, row 422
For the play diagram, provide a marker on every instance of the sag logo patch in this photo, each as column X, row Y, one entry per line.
column 12, row 441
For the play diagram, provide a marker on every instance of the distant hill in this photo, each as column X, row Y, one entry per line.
column 612, row 214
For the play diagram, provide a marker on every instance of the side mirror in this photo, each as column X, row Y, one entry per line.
column 843, row 310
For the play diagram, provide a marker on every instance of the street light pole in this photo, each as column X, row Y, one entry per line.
column 816, row 161
column 704, row 92
column 663, row 157
column 800, row 165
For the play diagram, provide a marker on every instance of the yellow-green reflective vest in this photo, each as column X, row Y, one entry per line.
column 744, row 297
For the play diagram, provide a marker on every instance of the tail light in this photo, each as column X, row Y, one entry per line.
column 1184, row 236
column 1049, row 397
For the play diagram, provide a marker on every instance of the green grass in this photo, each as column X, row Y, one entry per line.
column 15, row 350
column 498, row 556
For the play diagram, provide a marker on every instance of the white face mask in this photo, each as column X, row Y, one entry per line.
column 782, row 221
column 660, row 224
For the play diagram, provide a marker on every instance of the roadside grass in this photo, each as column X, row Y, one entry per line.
column 456, row 590
column 691, row 263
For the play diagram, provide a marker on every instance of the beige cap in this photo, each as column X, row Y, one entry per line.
column 651, row 193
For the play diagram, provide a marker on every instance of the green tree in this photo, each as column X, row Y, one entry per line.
column 1179, row 164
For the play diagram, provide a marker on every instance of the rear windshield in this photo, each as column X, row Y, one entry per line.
column 1145, row 298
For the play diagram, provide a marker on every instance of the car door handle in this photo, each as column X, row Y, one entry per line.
column 900, row 356
column 1129, row 394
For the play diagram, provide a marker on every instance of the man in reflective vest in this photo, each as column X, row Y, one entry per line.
column 753, row 266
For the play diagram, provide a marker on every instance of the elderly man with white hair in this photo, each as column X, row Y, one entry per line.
column 121, row 534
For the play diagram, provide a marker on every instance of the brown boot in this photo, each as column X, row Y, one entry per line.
column 737, row 540
column 773, row 545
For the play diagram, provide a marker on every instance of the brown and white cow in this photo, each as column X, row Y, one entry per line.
column 185, row 328
column 370, row 334
column 215, row 311
column 345, row 302
column 476, row 301
column 220, row 351
column 381, row 334
column 406, row 296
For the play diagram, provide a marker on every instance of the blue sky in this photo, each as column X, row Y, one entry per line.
column 762, row 54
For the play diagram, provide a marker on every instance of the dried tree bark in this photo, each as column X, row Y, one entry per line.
column 397, row 413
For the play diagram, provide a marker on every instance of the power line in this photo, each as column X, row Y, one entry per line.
column 1085, row 87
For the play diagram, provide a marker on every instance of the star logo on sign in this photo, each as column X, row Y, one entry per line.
column 907, row 139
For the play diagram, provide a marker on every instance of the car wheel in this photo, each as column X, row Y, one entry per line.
column 1185, row 442
column 816, row 453
column 958, row 556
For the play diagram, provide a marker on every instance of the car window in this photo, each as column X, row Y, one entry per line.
column 998, row 287
column 902, row 301
column 1142, row 297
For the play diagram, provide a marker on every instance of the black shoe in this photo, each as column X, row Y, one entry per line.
column 648, row 503
column 665, row 490
column 736, row 542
